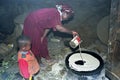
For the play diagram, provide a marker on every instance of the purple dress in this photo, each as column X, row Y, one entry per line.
column 35, row 25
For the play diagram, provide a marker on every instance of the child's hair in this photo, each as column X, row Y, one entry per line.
column 22, row 41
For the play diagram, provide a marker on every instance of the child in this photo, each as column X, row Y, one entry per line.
column 27, row 62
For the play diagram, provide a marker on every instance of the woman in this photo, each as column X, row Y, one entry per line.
column 38, row 24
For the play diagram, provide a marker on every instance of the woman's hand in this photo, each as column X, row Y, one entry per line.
column 42, row 38
column 45, row 34
column 74, row 33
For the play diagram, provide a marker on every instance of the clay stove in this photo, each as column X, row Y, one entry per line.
column 88, row 67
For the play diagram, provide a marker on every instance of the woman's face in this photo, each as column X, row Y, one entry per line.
column 65, row 16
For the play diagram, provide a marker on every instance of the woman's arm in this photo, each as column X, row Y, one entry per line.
column 45, row 34
column 63, row 29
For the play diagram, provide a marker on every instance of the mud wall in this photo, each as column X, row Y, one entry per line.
column 114, row 37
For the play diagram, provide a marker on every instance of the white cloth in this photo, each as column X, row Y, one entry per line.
column 59, row 8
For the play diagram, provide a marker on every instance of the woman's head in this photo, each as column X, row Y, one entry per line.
column 24, row 43
column 67, row 11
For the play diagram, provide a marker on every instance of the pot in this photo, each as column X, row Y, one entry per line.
column 75, row 41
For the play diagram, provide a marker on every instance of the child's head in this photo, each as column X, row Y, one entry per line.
column 24, row 43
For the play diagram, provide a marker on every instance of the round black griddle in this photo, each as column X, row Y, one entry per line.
column 80, row 62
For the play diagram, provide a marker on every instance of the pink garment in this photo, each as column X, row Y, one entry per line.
column 35, row 25
column 23, row 66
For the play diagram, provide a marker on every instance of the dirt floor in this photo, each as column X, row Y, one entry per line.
column 54, row 71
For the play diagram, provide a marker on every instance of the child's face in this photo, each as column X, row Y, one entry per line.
column 27, row 46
